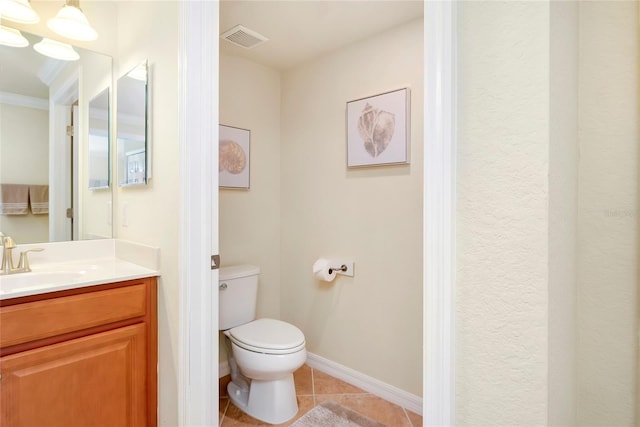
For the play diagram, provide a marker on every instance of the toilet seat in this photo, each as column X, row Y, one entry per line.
column 269, row 336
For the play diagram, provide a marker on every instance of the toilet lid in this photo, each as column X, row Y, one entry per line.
column 268, row 336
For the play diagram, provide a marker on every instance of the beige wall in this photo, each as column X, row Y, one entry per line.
column 502, row 214
column 24, row 134
column 563, row 189
column 371, row 322
column 608, row 214
column 249, row 220
column 149, row 30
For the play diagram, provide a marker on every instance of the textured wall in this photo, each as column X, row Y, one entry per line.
column 502, row 214
column 608, row 213
column 371, row 322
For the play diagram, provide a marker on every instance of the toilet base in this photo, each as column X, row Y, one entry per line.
column 272, row 401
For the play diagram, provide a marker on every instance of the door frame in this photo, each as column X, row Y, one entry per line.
column 198, row 80
column 439, row 212
column 62, row 95
column 198, row 142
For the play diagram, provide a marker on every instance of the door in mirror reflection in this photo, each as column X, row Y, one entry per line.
column 132, row 134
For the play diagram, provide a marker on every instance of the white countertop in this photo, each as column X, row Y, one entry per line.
column 63, row 274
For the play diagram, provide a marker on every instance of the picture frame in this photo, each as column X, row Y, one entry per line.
column 378, row 129
column 234, row 157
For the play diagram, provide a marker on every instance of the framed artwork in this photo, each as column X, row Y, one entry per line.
column 234, row 157
column 378, row 129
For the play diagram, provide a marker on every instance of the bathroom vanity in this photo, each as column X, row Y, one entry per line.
column 81, row 351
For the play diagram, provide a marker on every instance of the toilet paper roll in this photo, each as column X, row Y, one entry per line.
column 321, row 270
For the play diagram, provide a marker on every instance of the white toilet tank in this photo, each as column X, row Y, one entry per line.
column 238, row 292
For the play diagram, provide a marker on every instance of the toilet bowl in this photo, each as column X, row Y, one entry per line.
column 263, row 354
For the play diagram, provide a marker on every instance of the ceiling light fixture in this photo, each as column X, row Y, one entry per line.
column 19, row 11
column 12, row 37
column 57, row 50
column 71, row 23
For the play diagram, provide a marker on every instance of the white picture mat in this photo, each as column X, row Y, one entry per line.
column 397, row 151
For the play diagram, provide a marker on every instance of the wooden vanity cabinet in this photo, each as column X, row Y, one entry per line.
column 81, row 357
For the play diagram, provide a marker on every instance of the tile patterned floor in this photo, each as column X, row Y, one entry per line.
column 314, row 387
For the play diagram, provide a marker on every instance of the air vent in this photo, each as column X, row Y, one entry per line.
column 243, row 37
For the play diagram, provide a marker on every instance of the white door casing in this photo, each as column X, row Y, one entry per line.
column 198, row 142
column 198, row 402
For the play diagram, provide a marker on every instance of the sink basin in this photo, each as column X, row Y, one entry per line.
column 35, row 280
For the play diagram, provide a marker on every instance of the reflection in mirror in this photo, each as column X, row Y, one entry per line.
column 39, row 98
column 132, row 135
column 99, row 141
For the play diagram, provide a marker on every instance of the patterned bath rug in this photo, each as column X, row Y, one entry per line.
column 330, row 414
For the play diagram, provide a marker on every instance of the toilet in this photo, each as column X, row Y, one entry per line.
column 263, row 353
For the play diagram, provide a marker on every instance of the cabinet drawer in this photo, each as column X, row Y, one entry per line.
column 47, row 318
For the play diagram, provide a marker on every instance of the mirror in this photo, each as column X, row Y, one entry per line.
column 132, row 130
column 99, row 141
column 39, row 98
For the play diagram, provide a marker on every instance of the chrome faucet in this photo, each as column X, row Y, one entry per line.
column 8, row 244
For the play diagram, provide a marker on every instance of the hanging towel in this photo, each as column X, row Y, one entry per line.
column 14, row 199
column 39, row 199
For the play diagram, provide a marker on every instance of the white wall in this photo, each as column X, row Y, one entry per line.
column 24, row 134
column 608, row 214
column 563, row 189
column 502, row 223
column 149, row 30
column 373, row 216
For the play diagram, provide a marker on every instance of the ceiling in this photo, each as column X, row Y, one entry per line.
column 299, row 31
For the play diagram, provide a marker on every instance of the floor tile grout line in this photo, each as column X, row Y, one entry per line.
column 313, row 387
column 407, row 415
column 224, row 413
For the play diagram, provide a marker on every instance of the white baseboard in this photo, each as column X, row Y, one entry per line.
column 369, row 384
column 376, row 387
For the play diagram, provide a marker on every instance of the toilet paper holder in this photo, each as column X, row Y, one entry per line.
column 342, row 268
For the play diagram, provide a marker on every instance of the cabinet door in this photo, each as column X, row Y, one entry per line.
column 98, row 380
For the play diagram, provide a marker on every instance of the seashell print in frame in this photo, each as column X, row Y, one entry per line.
column 233, row 157
column 378, row 129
